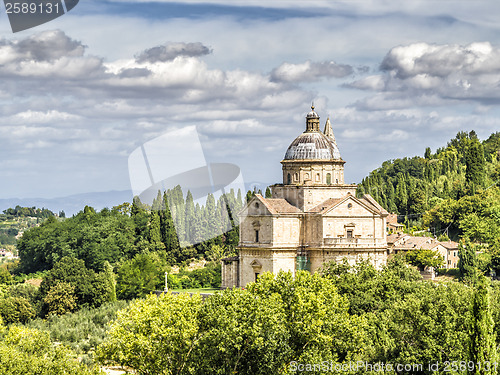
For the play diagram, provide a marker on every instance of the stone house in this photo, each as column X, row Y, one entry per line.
column 400, row 243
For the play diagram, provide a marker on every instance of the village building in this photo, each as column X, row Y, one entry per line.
column 400, row 243
column 313, row 217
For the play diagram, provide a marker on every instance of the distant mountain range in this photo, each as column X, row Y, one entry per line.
column 71, row 204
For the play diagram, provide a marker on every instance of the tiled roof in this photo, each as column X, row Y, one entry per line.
column 450, row 245
column 372, row 202
column 417, row 243
column 279, row 206
column 392, row 238
column 326, row 205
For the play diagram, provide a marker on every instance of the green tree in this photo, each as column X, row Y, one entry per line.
column 422, row 258
column 140, row 276
column 467, row 263
column 60, row 299
column 475, row 166
column 156, row 335
column 318, row 321
column 428, row 153
column 242, row 333
column 155, row 232
column 5, row 276
column 30, row 352
column 16, row 310
column 483, row 340
column 91, row 288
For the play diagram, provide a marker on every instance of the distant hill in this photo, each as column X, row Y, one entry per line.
column 71, row 204
column 411, row 186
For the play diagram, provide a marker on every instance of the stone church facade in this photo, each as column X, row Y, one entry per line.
column 312, row 218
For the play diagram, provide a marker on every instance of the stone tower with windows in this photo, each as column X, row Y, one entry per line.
column 313, row 217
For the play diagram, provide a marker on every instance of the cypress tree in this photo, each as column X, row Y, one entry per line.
column 474, row 166
column 190, row 218
column 483, row 338
column 467, row 263
column 211, row 218
column 168, row 232
column 428, row 153
column 268, row 193
column 155, row 238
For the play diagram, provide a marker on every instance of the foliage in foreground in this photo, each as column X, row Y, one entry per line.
column 254, row 331
column 81, row 331
column 30, row 352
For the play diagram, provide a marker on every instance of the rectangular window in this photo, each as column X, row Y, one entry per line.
column 349, row 233
column 256, row 236
column 256, row 276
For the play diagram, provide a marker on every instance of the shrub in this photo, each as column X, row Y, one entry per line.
column 16, row 310
column 60, row 299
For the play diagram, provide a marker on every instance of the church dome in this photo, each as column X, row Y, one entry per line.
column 312, row 145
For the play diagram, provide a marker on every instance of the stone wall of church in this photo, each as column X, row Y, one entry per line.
column 306, row 198
column 256, row 231
column 286, row 231
column 378, row 257
column 254, row 262
column 307, row 173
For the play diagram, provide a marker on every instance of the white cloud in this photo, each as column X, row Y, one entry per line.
column 418, row 71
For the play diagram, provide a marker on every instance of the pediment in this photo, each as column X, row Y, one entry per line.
column 256, row 207
column 350, row 206
column 255, row 264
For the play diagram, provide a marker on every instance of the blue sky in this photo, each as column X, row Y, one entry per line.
column 81, row 93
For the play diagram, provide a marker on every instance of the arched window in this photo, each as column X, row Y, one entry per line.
column 288, row 179
column 328, row 179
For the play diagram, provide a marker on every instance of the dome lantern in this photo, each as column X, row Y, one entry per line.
column 312, row 121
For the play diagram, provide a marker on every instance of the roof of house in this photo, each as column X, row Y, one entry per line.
column 450, row 245
column 409, row 242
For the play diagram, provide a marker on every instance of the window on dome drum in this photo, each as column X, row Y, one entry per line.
column 288, row 179
column 256, row 236
column 349, row 233
column 296, row 176
column 328, row 179
column 317, row 176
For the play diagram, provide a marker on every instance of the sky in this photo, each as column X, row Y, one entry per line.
column 80, row 94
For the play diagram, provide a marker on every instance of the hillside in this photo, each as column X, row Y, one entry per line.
column 453, row 191
column 15, row 220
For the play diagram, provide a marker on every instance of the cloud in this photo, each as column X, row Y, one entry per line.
column 44, row 46
column 310, row 71
column 170, row 51
column 48, row 53
column 420, row 71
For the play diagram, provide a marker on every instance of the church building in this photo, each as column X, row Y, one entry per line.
column 313, row 217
